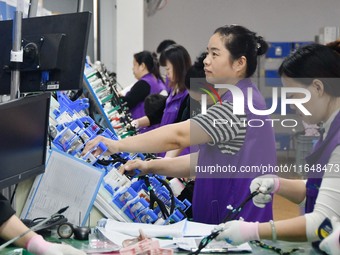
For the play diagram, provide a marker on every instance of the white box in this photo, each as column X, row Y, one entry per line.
column 328, row 34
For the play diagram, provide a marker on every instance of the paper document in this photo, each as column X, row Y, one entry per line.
column 67, row 181
column 132, row 229
column 114, row 237
column 197, row 229
column 117, row 232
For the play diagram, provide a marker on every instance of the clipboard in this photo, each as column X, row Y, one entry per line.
column 67, row 181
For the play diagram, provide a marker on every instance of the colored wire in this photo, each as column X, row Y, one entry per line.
column 230, row 216
column 273, row 248
column 233, row 213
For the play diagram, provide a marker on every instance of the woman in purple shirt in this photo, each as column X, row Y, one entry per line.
column 146, row 71
column 176, row 60
column 232, row 54
column 316, row 69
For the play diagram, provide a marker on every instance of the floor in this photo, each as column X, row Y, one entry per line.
column 284, row 209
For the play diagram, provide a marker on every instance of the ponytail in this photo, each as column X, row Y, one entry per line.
column 262, row 46
column 155, row 70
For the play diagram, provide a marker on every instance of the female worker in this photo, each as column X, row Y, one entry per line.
column 315, row 68
column 146, row 71
column 176, row 60
column 231, row 59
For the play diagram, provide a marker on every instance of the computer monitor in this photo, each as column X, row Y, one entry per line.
column 54, row 52
column 23, row 138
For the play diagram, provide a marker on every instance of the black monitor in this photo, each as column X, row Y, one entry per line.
column 23, row 138
column 54, row 52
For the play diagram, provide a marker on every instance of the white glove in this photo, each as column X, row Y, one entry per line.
column 38, row 246
column 266, row 184
column 331, row 244
column 237, row 232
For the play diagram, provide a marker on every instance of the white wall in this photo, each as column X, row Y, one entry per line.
column 130, row 37
column 70, row 6
column 191, row 22
column 108, row 34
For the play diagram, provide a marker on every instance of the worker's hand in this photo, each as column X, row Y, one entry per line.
column 331, row 244
column 111, row 145
column 266, row 184
column 131, row 165
column 38, row 246
column 128, row 242
column 237, row 232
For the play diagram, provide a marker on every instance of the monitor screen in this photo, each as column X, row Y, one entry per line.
column 23, row 138
column 54, row 51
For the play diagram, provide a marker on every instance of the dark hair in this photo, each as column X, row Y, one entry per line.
column 164, row 44
column 315, row 61
column 240, row 41
column 154, row 105
column 179, row 57
column 150, row 61
column 196, row 71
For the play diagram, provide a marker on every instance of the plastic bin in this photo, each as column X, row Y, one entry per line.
column 282, row 142
column 279, row 49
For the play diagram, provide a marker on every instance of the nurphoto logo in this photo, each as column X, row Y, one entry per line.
column 211, row 92
column 238, row 100
column 239, row 104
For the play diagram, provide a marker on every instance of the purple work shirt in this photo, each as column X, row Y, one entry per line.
column 156, row 86
column 213, row 195
column 172, row 106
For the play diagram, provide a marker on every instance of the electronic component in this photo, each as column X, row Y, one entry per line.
column 65, row 230
column 141, row 199
column 108, row 107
